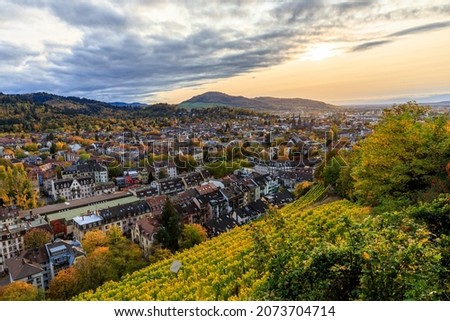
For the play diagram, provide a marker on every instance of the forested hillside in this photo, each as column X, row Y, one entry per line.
column 42, row 112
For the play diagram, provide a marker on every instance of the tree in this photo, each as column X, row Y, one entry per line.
column 114, row 170
column 36, row 237
column 31, row 147
column 162, row 173
column 114, row 235
column 171, row 227
column 191, row 235
column 19, row 291
column 125, row 257
column 95, row 269
column 403, row 158
column 94, row 239
column 331, row 172
column 85, row 156
column 157, row 253
column 15, row 188
column 64, row 285
column 302, row 188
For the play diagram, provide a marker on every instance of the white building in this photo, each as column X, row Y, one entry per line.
column 72, row 188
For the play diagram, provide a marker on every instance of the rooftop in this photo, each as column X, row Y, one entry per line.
column 70, row 214
column 87, row 219
column 55, row 208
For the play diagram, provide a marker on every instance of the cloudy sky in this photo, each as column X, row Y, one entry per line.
column 154, row 50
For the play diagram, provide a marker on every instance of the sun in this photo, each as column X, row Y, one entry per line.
column 319, row 52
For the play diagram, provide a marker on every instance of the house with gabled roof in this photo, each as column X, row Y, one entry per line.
column 31, row 266
column 143, row 233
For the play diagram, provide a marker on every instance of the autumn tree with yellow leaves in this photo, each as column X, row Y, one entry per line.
column 15, row 187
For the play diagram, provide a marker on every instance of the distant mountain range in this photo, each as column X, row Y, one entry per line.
column 262, row 104
column 122, row 104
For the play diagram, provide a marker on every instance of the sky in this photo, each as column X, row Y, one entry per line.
column 151, row 51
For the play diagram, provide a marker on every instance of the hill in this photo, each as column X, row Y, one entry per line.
column 264, row 104
column 122, row 104
column 62, row 104
column 334, row 251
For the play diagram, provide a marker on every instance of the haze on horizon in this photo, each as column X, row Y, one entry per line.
column 160, row 51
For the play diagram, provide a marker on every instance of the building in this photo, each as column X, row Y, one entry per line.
column 192, row 179
column 8, row 215
column 63, row 254
column 39, row 266
column 78, row 188
column 156, row 204
column 167, row 167
column 89, row 168
column 289, row 179
column 189, row 212
column 267, row 184
column 123, row 216
column 250, row 212
column 274, row 166
column 143, row 232
column 12, row 231
column 72, row 188
column 251, row 189
column 104, row 188
column 30, row 266
column 212, row 205
column 169, row 186
column 11, row 243
column 144, row 192
column 234, row 195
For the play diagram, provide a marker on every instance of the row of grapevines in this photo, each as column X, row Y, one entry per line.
column 222, row 268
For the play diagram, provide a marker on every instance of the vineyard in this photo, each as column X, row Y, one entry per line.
column 219, row 269
column 335, row 251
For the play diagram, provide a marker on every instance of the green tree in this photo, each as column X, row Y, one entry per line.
column 171, row 227
column 85, row 156
column 191, row 235
column 157, row 253
column 331, row 172
column 95, row 269
column 402, row 159
column 162, row 173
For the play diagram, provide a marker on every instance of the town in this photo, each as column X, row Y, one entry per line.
column 218, row 175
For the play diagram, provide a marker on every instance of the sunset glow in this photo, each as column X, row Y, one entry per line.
column 337, row 51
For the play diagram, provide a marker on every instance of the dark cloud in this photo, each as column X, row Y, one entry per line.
column 369, row 45
column 87, row 14
column 127, row 66
column 354, row 5
column 123, row 55
column 298, row 11
column 420, row 29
